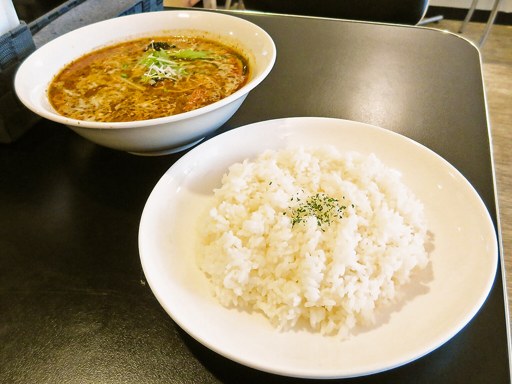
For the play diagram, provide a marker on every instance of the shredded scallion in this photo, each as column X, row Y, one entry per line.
column 162, row 62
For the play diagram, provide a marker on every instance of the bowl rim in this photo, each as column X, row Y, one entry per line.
column 244, row 90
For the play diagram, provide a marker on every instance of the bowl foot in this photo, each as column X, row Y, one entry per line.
column 168, row 151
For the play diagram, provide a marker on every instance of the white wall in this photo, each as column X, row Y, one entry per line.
column 505, row 5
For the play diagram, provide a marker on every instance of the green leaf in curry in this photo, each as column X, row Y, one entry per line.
column 190, row 54
column 164, row 63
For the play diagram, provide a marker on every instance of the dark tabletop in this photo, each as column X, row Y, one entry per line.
column 74, row 303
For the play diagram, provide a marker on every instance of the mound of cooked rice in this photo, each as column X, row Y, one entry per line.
column 312, row 234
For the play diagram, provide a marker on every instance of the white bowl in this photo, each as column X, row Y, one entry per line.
column 156, row 136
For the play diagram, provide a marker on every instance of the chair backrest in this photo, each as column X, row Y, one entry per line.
column 388, row 11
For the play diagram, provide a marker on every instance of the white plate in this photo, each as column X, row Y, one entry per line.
column 463, row 260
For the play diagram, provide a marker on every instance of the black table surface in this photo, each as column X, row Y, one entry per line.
column 74, row 303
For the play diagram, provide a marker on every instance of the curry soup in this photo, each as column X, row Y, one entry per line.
column 147, row 78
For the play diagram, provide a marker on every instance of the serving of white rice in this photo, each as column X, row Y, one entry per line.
column 312, row 236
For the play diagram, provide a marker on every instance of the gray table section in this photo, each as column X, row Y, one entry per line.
column 74, row 303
